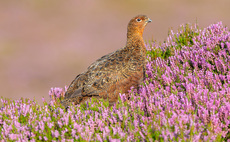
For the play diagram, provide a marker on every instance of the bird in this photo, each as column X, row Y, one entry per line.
column 115, row 72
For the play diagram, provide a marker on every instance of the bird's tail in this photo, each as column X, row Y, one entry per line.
column 66, row 102
column 73, row 97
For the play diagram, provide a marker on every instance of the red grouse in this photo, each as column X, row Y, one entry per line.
column 115, row 72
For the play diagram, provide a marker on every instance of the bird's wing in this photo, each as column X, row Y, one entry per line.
column 82, row 79
column 110, row 75
column 76, row 85
column 109, row 84
column 116, row 72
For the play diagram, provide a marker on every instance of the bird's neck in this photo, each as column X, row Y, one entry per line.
column 135, row 44
column 135, row 40
column 134, row 32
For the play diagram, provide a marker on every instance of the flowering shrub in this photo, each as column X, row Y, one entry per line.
column 185, row 97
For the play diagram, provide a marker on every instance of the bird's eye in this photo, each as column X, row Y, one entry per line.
column 138, row 20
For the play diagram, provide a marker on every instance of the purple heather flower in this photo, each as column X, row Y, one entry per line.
column 13, row 136
column 114, row 140
column 55, row 133
column 41, row 125
column 99, row 137
column 45, row 138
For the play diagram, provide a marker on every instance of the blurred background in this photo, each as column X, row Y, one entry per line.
column 46, row 43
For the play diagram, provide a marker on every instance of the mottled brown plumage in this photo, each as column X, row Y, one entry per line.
column 113, row 73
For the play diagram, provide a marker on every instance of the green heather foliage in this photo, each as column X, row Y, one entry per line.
column 185, row 97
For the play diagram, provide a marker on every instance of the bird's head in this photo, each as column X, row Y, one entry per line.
column 137, row 25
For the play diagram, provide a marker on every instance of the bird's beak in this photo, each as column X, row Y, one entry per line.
column 149, row 20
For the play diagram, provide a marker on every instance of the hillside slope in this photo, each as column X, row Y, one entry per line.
column 186, row 96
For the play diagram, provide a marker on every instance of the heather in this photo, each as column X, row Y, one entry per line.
column 185, row 97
